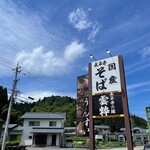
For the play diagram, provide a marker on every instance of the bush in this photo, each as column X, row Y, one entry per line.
column 12, row 143
column 111, row 144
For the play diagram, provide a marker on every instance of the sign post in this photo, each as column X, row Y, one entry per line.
column 91, row 124
column 107, row 91
column 129, row 139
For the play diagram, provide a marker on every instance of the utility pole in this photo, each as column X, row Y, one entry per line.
column 13, row 94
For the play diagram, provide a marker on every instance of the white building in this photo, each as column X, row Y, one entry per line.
column 43, row 129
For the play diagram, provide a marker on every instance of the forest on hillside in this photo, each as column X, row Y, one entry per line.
column 59, row 104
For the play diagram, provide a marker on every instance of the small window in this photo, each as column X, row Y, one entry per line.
column 30, row 137
column 34, row 123
column 52, row 123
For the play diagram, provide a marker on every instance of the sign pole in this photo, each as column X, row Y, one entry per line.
column 148, row 120
column 125, row 106
column 91, row 124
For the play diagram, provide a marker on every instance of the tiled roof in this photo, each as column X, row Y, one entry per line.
column 10, row 126
column 18, row 128
column 43, row 115
column 101, row 127
column 47, row 131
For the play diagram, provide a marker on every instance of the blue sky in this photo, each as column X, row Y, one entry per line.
column 52, row 41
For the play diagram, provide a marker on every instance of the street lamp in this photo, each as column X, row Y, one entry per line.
column 91, row 56
column 108, row 52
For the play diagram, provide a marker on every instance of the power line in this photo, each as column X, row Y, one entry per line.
column 39, row 78
column 7, row 63
column 47, row 82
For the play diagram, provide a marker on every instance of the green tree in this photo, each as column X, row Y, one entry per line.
column 3, row 100
column 137, row 121
column 66, row 105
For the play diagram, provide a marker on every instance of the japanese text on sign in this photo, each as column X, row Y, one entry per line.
column 107, row 105
column 105, row 76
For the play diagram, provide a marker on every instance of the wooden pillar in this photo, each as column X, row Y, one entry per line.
column 91, row 122
column 125, row 106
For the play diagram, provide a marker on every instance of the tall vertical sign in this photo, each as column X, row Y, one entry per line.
column 148, row 118
column 82, row 106
column 106, row 88
column 107, row 94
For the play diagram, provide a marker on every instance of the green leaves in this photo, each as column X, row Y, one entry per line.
column 61, row 104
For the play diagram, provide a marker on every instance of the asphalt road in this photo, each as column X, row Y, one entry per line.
column 57, row 148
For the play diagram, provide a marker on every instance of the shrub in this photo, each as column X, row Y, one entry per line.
column 12, row 143
column 111, row 144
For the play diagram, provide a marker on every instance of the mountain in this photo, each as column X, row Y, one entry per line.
column 60, row 104
column 68, row 105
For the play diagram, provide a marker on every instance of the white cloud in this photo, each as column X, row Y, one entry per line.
column 80, row 20
column 48, row 63
column 145, row 52
column 23, row 31
column 137, row 67
column 138, row 85
column 142, row 64
column 94, row 31
column 22, row 28
column 36, row 95
column 74, row 51
column 39, row 61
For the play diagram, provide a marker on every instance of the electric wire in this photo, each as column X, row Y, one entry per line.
column 38, row 78
column 47, row 82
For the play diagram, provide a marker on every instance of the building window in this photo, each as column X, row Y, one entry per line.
column 34, row 123
column 30, row 137
column 52, row 123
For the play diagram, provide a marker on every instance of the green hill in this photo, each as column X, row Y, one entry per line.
column 60, row 104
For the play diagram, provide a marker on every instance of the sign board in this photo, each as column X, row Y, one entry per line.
column 28, row 142
column 109, row 105
column 106, row 88
column 106, row 79
column 147, row 110
column 148, row 117
column 99, row 137
column 106, row 76
column 82, row 107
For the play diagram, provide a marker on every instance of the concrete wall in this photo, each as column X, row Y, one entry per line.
column 43, row 123
column 26, row 133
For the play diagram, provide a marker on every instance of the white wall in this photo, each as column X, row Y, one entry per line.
column 26, row 132
column 43, row 123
